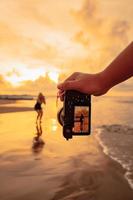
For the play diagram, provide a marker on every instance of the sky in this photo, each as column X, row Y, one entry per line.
column 43, row 41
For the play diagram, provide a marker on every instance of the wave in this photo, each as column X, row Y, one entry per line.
column 117, row 142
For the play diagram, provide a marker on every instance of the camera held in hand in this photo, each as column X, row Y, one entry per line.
column 75, row 115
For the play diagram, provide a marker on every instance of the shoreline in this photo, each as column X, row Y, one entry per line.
column 10, row 106
column 4, row 109
column 104, row 180
column 124, row 166
column 75, row 170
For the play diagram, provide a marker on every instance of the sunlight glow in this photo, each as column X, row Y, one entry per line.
column 17, row 75
column 54, row 76
column 54, row 124
column 20, row 73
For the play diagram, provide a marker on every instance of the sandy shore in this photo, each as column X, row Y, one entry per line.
column 104, row 179
column 59, row 170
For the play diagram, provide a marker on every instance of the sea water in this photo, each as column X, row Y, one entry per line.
column 113, row 121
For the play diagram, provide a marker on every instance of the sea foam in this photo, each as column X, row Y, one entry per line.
column 117, row 142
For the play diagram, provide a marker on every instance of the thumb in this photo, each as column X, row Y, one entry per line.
column 68, row 85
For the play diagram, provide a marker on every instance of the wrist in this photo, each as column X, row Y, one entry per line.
column 104, row 82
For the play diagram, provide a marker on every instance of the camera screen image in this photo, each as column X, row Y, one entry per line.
column 81, row 119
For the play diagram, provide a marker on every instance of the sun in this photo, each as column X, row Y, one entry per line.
column 54, row 76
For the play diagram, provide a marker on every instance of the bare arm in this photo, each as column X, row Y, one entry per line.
column 97, row 84
column 120, row 69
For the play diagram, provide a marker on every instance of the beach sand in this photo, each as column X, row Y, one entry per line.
column 57, row 170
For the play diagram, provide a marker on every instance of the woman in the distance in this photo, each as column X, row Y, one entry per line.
column 38, row 108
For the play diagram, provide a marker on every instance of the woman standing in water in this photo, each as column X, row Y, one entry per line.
column 40, row 99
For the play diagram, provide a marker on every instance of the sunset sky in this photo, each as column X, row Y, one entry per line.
column 41, row 40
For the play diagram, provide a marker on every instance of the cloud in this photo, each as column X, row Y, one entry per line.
column 104, row 37
column 23, row 32
column 65, row 35
column 1, row 80
column 4, row 85
column 42, row 84
column 37, row 31
column 13, row 72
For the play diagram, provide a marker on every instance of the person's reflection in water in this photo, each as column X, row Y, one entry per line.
column 38, row 142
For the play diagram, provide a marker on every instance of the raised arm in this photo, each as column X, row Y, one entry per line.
column 118, row 71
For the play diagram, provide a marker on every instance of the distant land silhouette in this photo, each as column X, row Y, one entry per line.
column 17, row 97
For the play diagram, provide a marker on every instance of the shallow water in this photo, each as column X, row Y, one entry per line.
column 115, row 133
column 27, row 171
column 117, row 142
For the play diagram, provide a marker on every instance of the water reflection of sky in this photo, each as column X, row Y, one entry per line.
column 18, row 129
column 54, row 124
column 57, row 157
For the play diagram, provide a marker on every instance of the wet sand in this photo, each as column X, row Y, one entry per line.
column 99, row 178
column 58, row 170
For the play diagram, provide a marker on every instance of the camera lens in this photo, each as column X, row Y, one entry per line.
column 60, row 116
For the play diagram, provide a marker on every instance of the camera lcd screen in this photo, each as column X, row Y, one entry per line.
column 81, row 119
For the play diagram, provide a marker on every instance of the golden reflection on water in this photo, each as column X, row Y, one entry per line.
column 18, row 129
column 24, row 162
column 54, row 124
column 38, row 142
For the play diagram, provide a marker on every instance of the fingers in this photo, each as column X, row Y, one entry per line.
column 68, row 85
column 69, row 82
column 72, row 77
column 60, row 95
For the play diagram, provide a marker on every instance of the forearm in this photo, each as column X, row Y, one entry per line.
column 120, row 69
column 98, row 84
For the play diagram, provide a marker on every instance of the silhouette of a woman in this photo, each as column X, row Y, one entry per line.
column 40, row 99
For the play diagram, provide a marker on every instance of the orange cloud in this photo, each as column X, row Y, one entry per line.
column 13, row 72
column 42, row 84
column 106, row 36
column 69, row 36
column 5, row 86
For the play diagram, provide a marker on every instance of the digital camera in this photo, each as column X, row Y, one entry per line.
column 75, row 115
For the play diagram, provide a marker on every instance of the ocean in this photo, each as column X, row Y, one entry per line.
column 95, row 167
column 114, row 130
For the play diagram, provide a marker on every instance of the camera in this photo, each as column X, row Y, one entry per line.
column 75, row 115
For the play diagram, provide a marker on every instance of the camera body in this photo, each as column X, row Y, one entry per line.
column 75, row 116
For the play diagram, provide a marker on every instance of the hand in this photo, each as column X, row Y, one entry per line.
column 83, row 82
column 97, row 84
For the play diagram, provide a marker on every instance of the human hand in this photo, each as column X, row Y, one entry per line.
column 85, row 83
